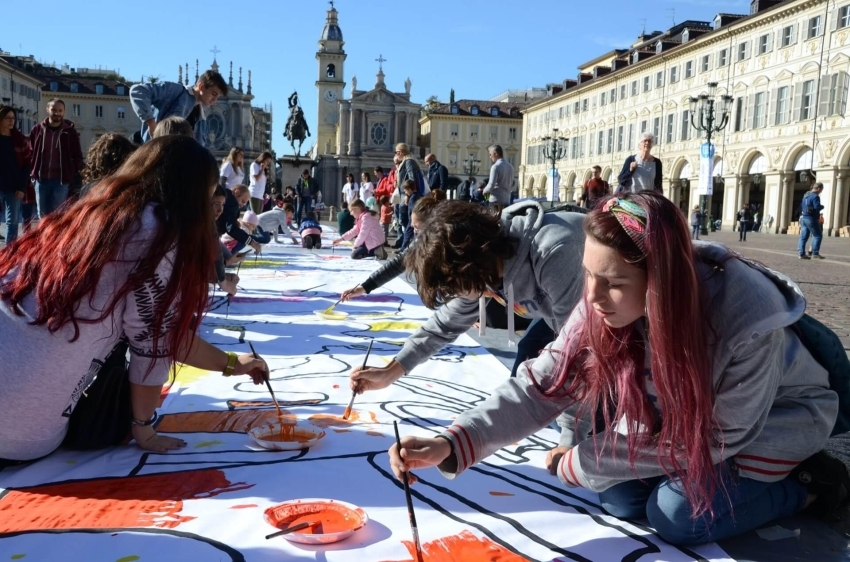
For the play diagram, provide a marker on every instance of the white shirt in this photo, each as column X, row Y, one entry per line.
column 232, row 175
column 351, row 192
column 271, row 220
column 258, row 186
column 367, row 190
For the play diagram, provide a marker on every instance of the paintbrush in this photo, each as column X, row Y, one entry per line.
column 407, row 495
column 331, row 307
column 268, row 384
column 227, row 313
column 354, row 393
column 311, row 288
column 296, row 528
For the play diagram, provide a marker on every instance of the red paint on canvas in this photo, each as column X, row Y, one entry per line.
column 464, row 547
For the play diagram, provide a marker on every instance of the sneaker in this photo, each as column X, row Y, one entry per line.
column 804, row 257
column 818, row 257
column 826, row 477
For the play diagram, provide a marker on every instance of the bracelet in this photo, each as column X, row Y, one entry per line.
column 145, row 423
column 231, row 364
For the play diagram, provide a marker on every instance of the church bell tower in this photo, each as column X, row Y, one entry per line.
column 329, row 85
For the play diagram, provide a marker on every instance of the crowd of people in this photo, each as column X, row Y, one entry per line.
column 672, row 405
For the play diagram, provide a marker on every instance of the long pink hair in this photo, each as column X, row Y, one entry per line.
column 603, row 367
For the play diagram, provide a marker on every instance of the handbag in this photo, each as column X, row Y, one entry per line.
column 103, row 415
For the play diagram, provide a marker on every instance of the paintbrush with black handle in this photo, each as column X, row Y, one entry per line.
column 413, row 528
column 268, row 384
column 354, row 392
column 316, row 531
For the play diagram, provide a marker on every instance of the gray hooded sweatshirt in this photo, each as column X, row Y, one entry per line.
column 544, row 279
column 772, row 399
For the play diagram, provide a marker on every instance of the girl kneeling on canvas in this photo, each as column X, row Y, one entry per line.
column 739, row 398
column 367, row 233
column 98, row 278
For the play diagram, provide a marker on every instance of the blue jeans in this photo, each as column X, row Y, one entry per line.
column 361, row 252
column 12, row 206
column 810, row 226
column 260, row 236
column 303, row 208
column 50, row 194
column 536, row 337
column 660, row 500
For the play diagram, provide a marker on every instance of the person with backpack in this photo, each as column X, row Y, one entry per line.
column 674, row 406
column 810, row 224
column 743, row 223
column 408, row 169
column 696, row 222
column 642, row 170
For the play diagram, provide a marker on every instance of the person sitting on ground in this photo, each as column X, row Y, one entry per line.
column 478, row 192
column 411, row 196
column 278, row 220
column 289, row 195
column 344, row 219
column 367, row 234
column 105, row 155
column 386, row 217
column 702, row 412
column 249, row 223
column 228, row 221
column 101, row 273
column 173, row 125
column 527, row 260
column 395, row 265
column 227, row 282
column 311, row 232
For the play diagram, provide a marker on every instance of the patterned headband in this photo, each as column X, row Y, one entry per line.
column 631, row 217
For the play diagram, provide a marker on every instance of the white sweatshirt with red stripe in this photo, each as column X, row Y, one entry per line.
column 772, row 399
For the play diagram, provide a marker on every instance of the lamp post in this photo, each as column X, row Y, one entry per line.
column 553, row 150
column 704, row 117
column 471, row 166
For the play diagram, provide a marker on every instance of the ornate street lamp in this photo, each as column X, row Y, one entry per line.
column 554, row 149
column 704, row 117
column 756, row 180
column 471, row 166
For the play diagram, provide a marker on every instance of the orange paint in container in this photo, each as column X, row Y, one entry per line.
column 335, row 520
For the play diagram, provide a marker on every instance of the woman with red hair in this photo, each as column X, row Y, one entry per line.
column 701, row 413
column 128, row 262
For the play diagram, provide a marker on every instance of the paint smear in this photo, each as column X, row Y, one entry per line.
column 131, row 558
column 250, row 263
column 394, row 326
column 342, row 431
column 464, row 547
column 374, row 417
column 154, row 500
column 374, row 434
column 327, row 420
column 187, row 374
column 208, row 444
column 17, row 556
column 336, row 386
column 494, row 493
column 243, row 506
column 239, row 421
column 255, row 300
column 377, row 298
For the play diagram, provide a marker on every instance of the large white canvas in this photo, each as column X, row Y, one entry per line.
column 206, row 502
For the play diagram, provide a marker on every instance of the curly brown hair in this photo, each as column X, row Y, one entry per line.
column 105, row 155
column 460, row 249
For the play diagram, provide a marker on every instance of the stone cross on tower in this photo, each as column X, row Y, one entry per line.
column 381, row 60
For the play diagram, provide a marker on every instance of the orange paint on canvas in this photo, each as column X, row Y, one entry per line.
column 244, row 506
column 328, row 420
column 240, row 421
column 500, row 494
column 374, row 417
column 141, row 501
column 374, row 433
column 342, row 431
column 464, row 547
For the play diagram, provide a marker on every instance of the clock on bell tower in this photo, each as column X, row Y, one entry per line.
column 329, row 85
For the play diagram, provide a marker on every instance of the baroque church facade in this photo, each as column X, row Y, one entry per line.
column 358, row 133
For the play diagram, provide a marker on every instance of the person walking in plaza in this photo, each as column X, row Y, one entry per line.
column 56, row 157
column 810, row 222
column 743, row 223
column 367, row 233
column 528, row 260
column 501, row 179
column 437, row 174
column 306, row 193
column 594, row 189
column 233, row 168
column 642, row 170
column 125, row 268
column 15, row 166
column 696, row 222
column 153, row 102
column 259, row 177
column 703, row 414
column 351, row 190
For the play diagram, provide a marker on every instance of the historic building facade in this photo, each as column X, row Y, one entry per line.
column 458, row 133
column 358, row 133
column 21, row 89
column 786, row 64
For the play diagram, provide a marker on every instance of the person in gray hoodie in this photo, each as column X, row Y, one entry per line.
column 741, row 399
column 464, row 254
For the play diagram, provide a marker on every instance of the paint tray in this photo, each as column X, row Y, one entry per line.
column 287, row 436
column 339, row 519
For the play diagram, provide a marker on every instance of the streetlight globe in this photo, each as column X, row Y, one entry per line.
column 712, row 89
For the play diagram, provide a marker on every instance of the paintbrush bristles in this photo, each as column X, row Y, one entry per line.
column 354, row 393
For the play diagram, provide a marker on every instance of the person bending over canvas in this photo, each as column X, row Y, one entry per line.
column 99, row 273
column 528, row 260
column 700, row 423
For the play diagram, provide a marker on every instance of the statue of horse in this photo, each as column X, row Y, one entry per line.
column 296, row 125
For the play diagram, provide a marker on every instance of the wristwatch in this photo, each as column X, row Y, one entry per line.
column 231, row 364
column 143, row 423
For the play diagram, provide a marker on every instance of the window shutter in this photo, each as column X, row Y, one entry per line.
column 843, row 86
column 832, row 18
column 751, row 114
column 769, row 42
column 794, row 29
column 775, row 117
column 779, row 37
column 823, row 99
column 798, row 102
column 747, row 50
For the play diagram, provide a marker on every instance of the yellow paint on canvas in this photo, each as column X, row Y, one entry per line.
column 187, row 374
column 249, row 263
column 207, row 444
column 394, row 326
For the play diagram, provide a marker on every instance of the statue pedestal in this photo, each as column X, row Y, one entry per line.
column 291, row 168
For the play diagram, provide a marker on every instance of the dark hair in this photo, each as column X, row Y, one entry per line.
column 425, row 207
column 290, row 188
column 220, row 191
column 379, row 169
column 368, row 177
column 358, row 204
column 597, row 167
column 5, row 110
column 438, row 194
column 305, row 172
column 409, row 184
column 105, row 155
column 459, row 251
column 350, row 175
column 384, row 200
column 264, row 155
column 60, row 263
column 344, row 205
column 54, row 101
column 213, row 78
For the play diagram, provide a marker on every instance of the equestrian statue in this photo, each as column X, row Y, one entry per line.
column 296, row 125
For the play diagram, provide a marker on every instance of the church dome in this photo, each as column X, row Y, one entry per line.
column 332, row 32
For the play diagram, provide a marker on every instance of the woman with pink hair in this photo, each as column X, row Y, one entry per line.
column 701, row 415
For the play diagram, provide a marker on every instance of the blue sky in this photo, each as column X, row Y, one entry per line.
column 479, row 48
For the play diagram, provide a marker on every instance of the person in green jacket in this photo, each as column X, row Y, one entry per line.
column 344, row 219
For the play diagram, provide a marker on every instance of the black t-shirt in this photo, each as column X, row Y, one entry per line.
column 10, row 172
column 194, row 115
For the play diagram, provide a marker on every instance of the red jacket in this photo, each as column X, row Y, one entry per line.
column 385, row 187
column 71, row 155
